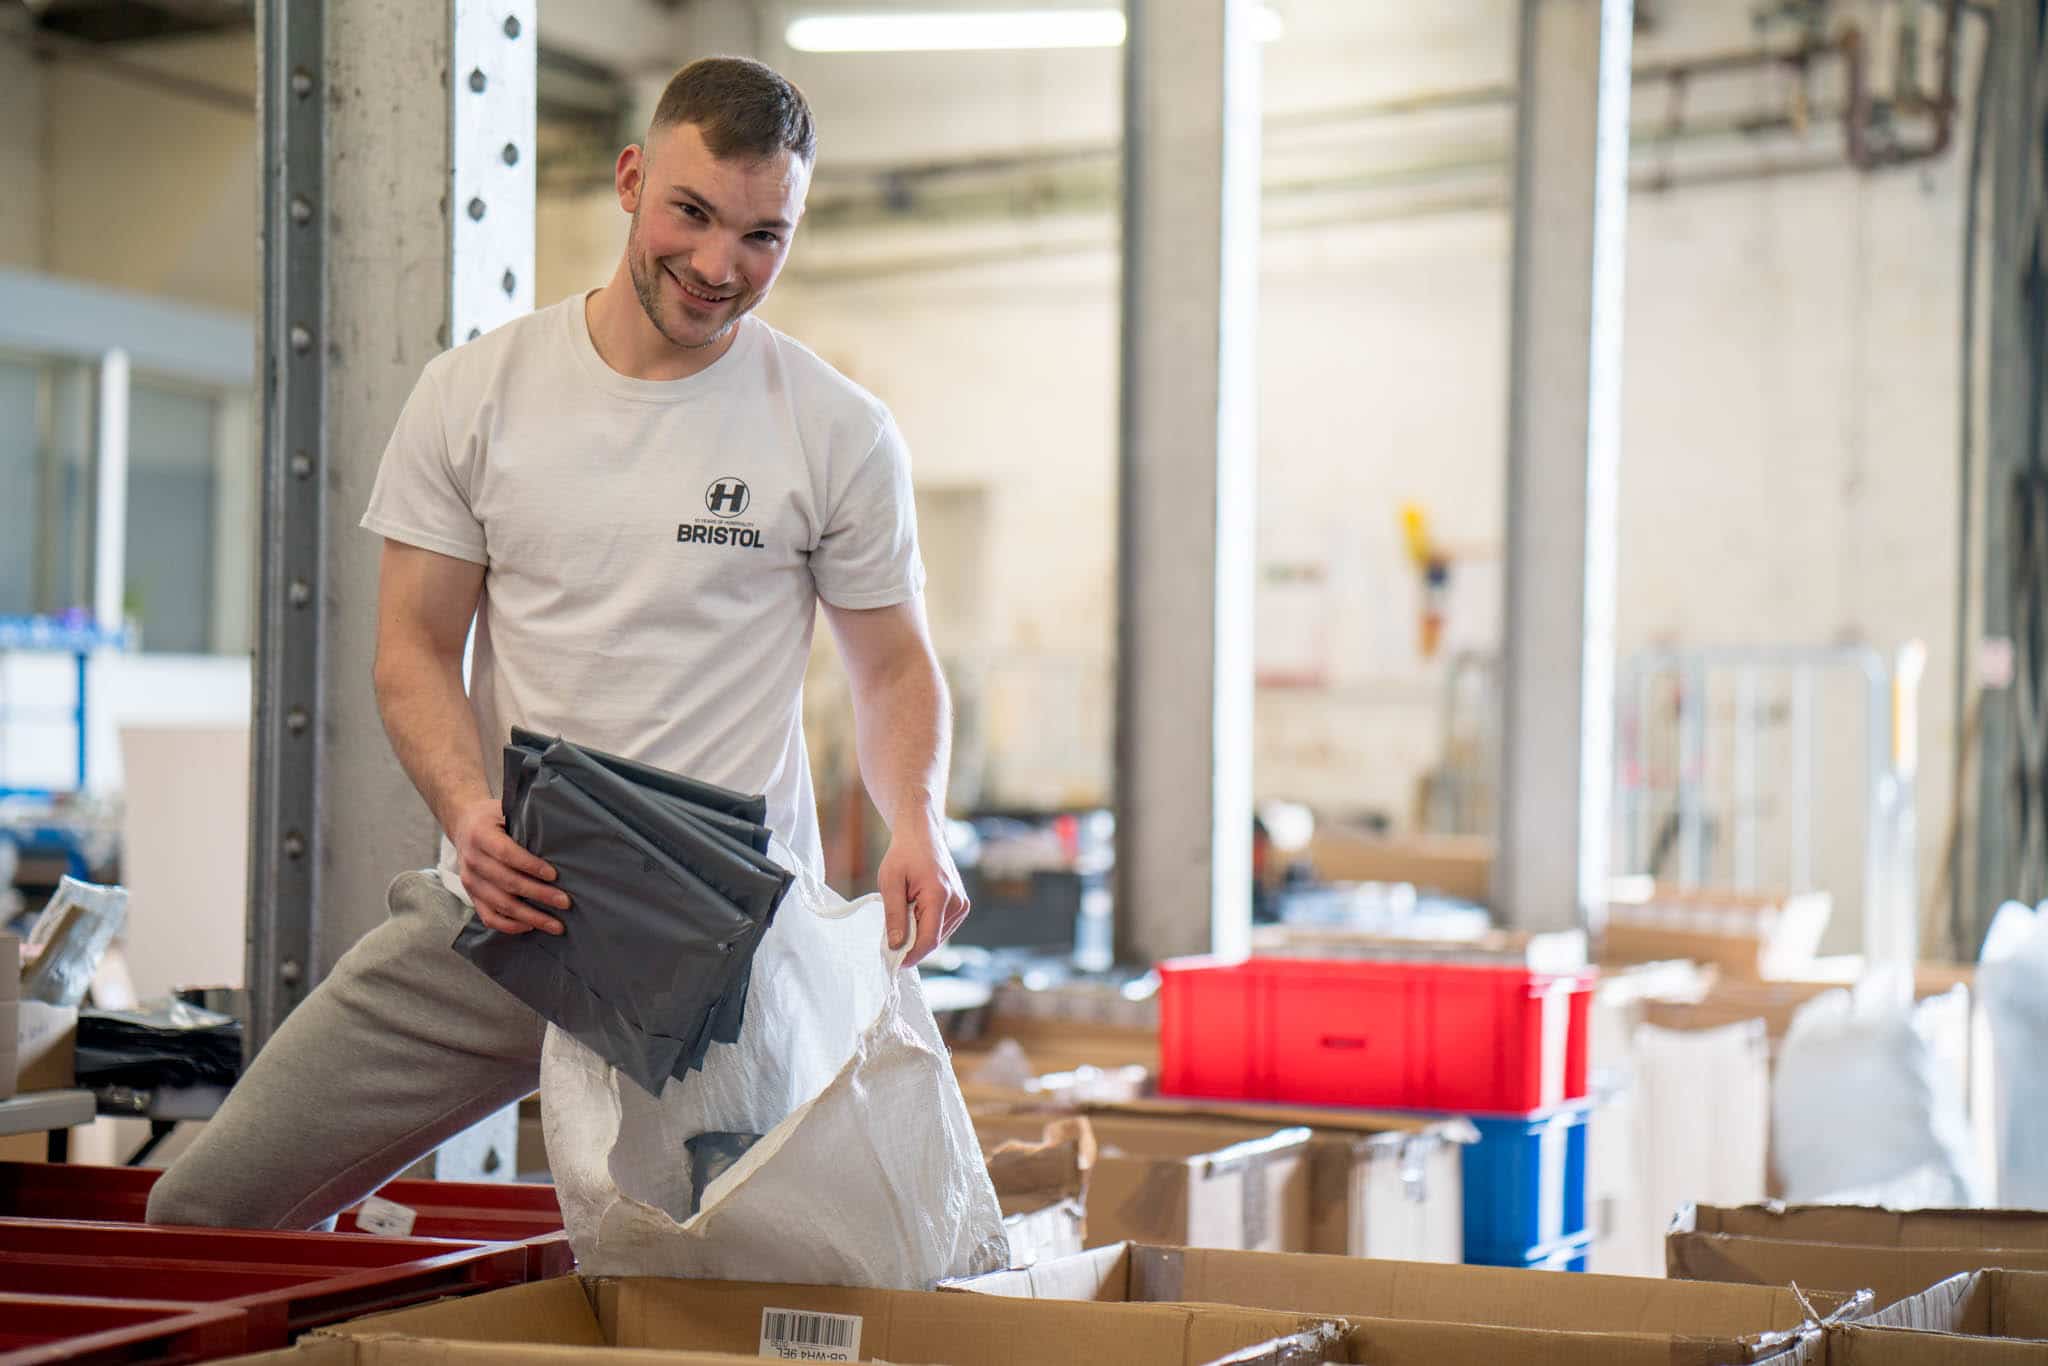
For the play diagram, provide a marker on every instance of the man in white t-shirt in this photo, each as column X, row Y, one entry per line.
column 639, row 496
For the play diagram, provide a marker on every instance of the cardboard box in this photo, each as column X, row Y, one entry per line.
column 1627, row 1238
column 38, row 1042
column 1987, row 1317
column 1860, row 1224
column 1689, row 1120
column 1380, row 1185
column 1059, row 1045
column 1456, row 865
column 1047, row 1233
column 404, row 1351
column 1112, row 1004
column 1729, row 1001
column 1189, row 1182
column 1041, row 1186
column 1946, row 1013
column 1040, row 1161
column 1895, row 1254
column 573, row 1315
column 1051, row 1061
column 1393, row 1342
column 1402, row 1311
column 1550, row 951
column 1745, row 934
column 46, row 1047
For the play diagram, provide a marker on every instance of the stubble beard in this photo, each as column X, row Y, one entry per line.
column 646, row 272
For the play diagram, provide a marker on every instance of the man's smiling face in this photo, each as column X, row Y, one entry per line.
column 709, row 236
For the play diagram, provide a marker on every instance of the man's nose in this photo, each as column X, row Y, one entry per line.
column 712, row 263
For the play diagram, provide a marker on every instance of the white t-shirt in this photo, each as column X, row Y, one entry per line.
column 653, row 550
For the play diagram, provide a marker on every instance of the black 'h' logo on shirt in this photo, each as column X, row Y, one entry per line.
column 727, row 498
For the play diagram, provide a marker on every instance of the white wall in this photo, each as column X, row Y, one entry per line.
column 153, row 192
column 185, row 854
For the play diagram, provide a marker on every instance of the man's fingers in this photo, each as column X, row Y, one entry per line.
column 895, row 910
column 508, row 914
column 517, row 884
column 957, row 907
column 514, row 855
column 498, row 921
column 928, row 905
column 533, row 917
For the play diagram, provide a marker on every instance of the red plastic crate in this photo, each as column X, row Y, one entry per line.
column 1406, row 1035
column 472, row 1211
column 37, row 1330
column 284, row 1283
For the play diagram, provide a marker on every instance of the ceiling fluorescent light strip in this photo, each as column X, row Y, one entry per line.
column 976, row 30
column 959, row 31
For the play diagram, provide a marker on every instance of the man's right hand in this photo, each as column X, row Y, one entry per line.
column 507, row 883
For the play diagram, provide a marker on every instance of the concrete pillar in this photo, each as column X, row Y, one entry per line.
column 1564, row 412
column 387, row 125
column 1188, row 485
column 2011, row 843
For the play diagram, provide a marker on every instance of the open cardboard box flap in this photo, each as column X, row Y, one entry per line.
column 1029, row 1175
column 1370, row 1126
column 891, row 1325
column 1392, row 1342
column 1985, row 1304
column 1868, row 1226
column 1894, row 1254
column 1891, row 1274
column 1359, row 1288
column 1890, row 1347
column 410, row 1351
column 1984, row 1318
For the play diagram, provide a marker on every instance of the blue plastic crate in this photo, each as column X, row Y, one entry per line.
column 1569, row 1255
column 1525, row 1184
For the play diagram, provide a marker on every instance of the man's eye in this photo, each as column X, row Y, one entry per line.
column 766, row 238
column 691, row 210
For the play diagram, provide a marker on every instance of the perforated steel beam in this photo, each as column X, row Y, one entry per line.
column 284, row 748
column 1564, row 412
column 1188, row 483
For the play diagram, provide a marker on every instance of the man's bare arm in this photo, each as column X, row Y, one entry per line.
column 424, row 605
column 903, row 727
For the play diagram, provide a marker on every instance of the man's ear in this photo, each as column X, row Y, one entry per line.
column 629, row 177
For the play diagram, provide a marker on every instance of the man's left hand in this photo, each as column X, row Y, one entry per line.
column 917, row 877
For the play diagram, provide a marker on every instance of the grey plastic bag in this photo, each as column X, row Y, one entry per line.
column 670, row 895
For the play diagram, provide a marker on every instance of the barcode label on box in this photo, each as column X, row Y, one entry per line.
column 798, row 1335
column 386, row 1217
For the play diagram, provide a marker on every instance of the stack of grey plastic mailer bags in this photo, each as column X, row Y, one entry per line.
column 670, row 888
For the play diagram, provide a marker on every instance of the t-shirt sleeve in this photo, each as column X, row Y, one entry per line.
column 867, row 556
column 419, row 497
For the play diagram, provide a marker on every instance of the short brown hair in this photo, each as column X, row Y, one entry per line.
column 742, row 108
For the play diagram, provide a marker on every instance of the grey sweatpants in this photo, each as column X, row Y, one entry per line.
column 404, row 1045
